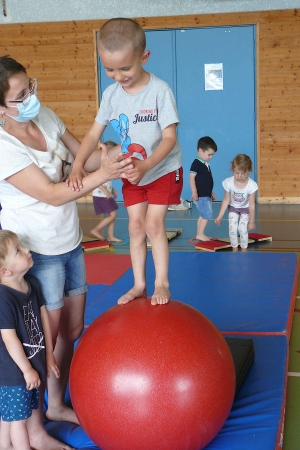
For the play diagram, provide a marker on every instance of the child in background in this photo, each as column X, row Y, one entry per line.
column 202, row 183
column 239, row 197
column 104, row 203
column 25, row 342
column 142, row 110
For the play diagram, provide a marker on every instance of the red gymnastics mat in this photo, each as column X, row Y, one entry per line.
column 219, row 244
column 105, row 269
column 94, row 245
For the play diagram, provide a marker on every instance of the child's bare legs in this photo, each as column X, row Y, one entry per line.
column 201, row 224
column 14, row 435
column 148, row 220
column 111, row 228
column 155, row 229
column 106, row 221
column 38, row 436
column 5, row 440
column 138, row 251
column 19, row 435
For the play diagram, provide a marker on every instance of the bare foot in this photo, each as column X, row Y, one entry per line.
column 235, row 249
column 114, row 239
column 244, row 250
column 203, row 238
column 131, row 295
column 64, row 413
column 161, row 296
column 95, row 233
column 44, row 441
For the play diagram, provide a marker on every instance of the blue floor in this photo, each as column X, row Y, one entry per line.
column 279, row 221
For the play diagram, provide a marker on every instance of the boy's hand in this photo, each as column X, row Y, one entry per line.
column 75, row 179
column 32, row 379
column 213, row 197
column 115, row 166
column 136, row 173
column 251, row 226
column 195, row 196
column 218, row 221
column 52, row 365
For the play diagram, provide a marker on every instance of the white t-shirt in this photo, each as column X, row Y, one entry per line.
column 239, row 198
column 99, row 193
column 45, row 229
column 139, row 120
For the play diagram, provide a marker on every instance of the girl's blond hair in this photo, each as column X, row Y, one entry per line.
column 243, row 162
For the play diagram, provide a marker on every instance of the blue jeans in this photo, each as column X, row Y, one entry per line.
column 60, row 276
column 204, row 206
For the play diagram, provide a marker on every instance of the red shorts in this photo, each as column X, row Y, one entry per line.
column 163, row 191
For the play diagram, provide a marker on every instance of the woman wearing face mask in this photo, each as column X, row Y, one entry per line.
column 36, row 154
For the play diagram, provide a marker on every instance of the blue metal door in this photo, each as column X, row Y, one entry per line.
column 228, row 115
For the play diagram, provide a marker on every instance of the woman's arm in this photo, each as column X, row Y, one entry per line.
column 93, row 162
column 73, row 145
column 87, row 146
column 16, row 352
column 33, row 181
column 71, row 142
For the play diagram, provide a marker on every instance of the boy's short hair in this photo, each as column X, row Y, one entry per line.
column 5, row 237
column 118, row 33
column 205, row 143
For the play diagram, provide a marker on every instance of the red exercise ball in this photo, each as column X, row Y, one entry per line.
column 149, row 377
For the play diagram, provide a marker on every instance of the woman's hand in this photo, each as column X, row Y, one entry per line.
column 52, row 365
column 115, row 167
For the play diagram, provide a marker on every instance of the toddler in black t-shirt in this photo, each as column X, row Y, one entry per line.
column 26, row 351
column 202, row 183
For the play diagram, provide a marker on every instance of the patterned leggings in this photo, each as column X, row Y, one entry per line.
column 238, row 222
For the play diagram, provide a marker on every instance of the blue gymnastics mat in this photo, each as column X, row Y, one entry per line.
column 246, row 295
column 240, row 293
column 92, row 302
column 255, row 419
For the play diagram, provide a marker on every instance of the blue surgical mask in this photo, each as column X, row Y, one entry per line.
column 28, row 111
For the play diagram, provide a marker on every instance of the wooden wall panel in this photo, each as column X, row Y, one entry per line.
column 62, row 56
